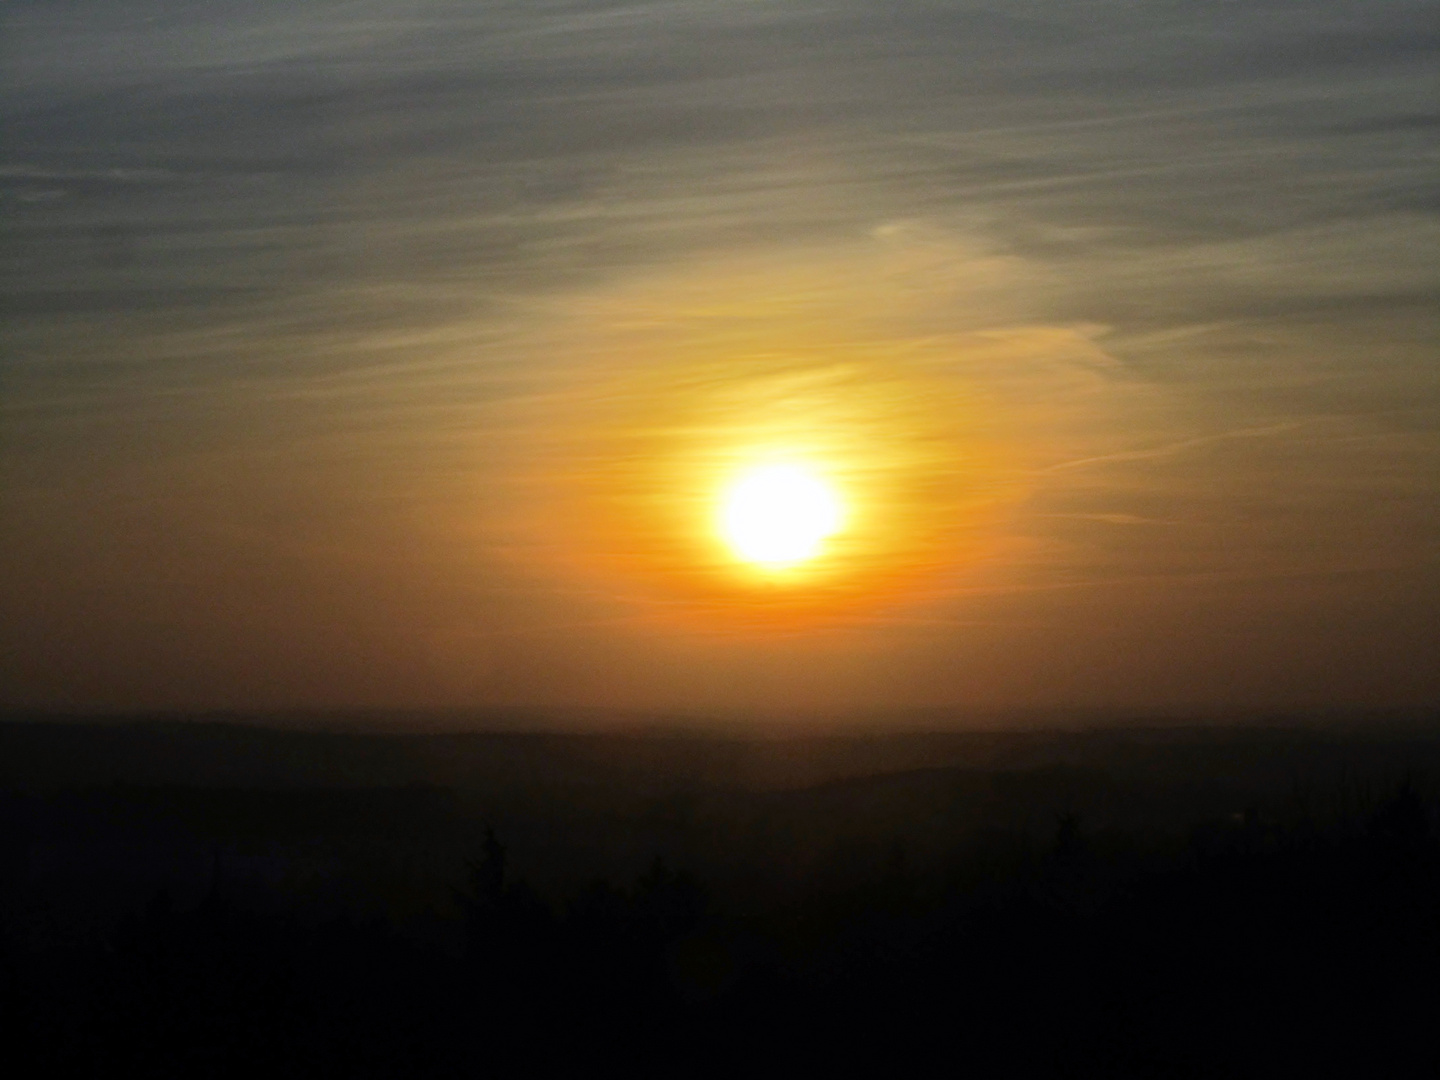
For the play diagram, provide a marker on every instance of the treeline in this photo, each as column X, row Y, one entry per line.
column 1253, row 947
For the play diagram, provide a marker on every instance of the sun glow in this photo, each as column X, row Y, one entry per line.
column 776, row 516
column 778, row 446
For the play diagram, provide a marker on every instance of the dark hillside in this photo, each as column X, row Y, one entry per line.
column 188, row 900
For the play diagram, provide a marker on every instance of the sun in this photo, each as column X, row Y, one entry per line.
column 777, row 516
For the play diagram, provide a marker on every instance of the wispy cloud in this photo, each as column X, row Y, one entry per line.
column 1171, row 449
column 307, row 302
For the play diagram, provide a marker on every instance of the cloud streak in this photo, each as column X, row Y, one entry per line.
column 327, row 322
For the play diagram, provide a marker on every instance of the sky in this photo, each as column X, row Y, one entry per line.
column 389, row 354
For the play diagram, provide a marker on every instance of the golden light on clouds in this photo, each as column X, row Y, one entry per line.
column 833, row 376
column 431, row 388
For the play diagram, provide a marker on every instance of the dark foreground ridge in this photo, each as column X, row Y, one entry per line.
column 1186, row 904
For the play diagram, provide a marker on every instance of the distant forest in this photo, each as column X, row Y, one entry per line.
column 230, row 900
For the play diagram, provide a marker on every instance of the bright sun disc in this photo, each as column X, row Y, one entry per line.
column 778, row 515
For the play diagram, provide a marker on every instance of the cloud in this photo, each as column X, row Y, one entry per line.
column 1170, row 449
column 356, row 301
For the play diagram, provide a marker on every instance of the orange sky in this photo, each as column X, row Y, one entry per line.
column 416, row 382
